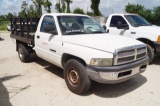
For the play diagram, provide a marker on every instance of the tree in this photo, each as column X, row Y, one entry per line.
column 68, row 5
column 24, row 5
column 78, row 11
column 134, row 8
column 31, row 12
column 58, row 8
column 47, row 5
column 63, row 6
column 9, row 16
column 156, row 16
column 140, row 10
column 90, row 13
column 38, row 5
column 2, row 18
column 23, row 13
column 95, row 7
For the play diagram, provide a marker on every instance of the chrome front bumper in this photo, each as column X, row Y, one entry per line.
column 116, row 74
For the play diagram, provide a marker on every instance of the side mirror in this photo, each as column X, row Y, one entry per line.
column 122, row 26
column 50, row 29
column 104, row 27
column 119, row 25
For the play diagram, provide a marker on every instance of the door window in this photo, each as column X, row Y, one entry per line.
column 47, row 20
column 116, row 19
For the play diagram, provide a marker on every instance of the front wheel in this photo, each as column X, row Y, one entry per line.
column 76, row 77
column 150, row 53
column 23, row 53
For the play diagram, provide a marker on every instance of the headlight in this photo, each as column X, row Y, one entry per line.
column 101, row 62
column 158, row 40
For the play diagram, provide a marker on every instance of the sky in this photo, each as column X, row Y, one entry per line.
column 106, row 6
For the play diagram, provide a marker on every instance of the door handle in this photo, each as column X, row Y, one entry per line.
column 38, row 36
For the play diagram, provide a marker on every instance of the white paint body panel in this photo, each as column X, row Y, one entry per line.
column 86, row 46
column 148, row 32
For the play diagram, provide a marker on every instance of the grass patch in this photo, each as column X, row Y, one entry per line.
column 3, row 25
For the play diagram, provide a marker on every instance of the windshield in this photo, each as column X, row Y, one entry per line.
column 79, row 25
column 136, row 20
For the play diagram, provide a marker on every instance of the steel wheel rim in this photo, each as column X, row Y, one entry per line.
column 73, row 77
column 20, row 53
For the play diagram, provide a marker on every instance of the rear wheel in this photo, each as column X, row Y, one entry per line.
column 23, row 53
column 150, row 53
column 76, row 77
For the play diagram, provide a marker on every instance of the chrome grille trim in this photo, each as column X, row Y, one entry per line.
column 129, row 54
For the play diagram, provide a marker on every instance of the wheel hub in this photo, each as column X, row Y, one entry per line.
column 73, row 77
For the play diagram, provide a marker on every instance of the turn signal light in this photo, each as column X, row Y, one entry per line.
column 158, row 40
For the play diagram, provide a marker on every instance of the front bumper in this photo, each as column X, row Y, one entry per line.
column 116, row 74
column 157, row 47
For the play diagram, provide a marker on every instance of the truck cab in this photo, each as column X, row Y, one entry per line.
column 81, row 47
column 135, row 26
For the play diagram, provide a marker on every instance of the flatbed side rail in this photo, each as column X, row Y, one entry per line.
column 23, row 29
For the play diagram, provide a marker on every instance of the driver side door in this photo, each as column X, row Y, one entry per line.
column 47, row 44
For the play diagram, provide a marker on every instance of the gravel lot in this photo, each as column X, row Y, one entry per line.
column 39, row 83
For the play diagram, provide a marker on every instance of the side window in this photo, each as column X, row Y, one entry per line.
column 47, row 20
column 116, row 19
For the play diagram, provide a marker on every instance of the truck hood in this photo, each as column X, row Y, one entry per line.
column 153, row 31
column 104, row 42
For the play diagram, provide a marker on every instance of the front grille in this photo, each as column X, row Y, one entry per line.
column 126, row 53
column 141, row 52
column 124, row 59
column 129, row 54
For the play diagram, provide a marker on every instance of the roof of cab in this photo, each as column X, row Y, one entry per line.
column 124, row 14
column 64, row 14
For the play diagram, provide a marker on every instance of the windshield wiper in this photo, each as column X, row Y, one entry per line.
column 97, row 32
column 74, row 33
column 136, row 25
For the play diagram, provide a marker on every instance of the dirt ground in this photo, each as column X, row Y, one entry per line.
column 38, row 83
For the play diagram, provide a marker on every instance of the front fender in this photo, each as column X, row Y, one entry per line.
column 84, row 53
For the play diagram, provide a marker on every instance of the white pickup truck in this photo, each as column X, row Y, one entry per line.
column 134, row 26
column 81, row 47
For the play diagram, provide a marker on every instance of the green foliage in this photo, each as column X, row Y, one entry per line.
column 58, row 8
column 34, row 11
column 6, row 17
column 38, row 5
column 31, row 12
column 156, row 12
column 9, row 16
column 2, row 18
column 90, row 13
column 63, row 6
column 68, row 5
column 47, row 5
column 132, row 8
column 23, row 13
column 78, row 11
column 24, row 5
column 3, row 25
column 95, row 7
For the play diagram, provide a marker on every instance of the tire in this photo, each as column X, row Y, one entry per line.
column 23, row 53
column 150, row 53
column 76, row 77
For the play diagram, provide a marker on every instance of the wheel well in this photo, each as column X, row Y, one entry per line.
column 67, row 57
column 147, row 41
column 24, row 44
column 17, row 43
